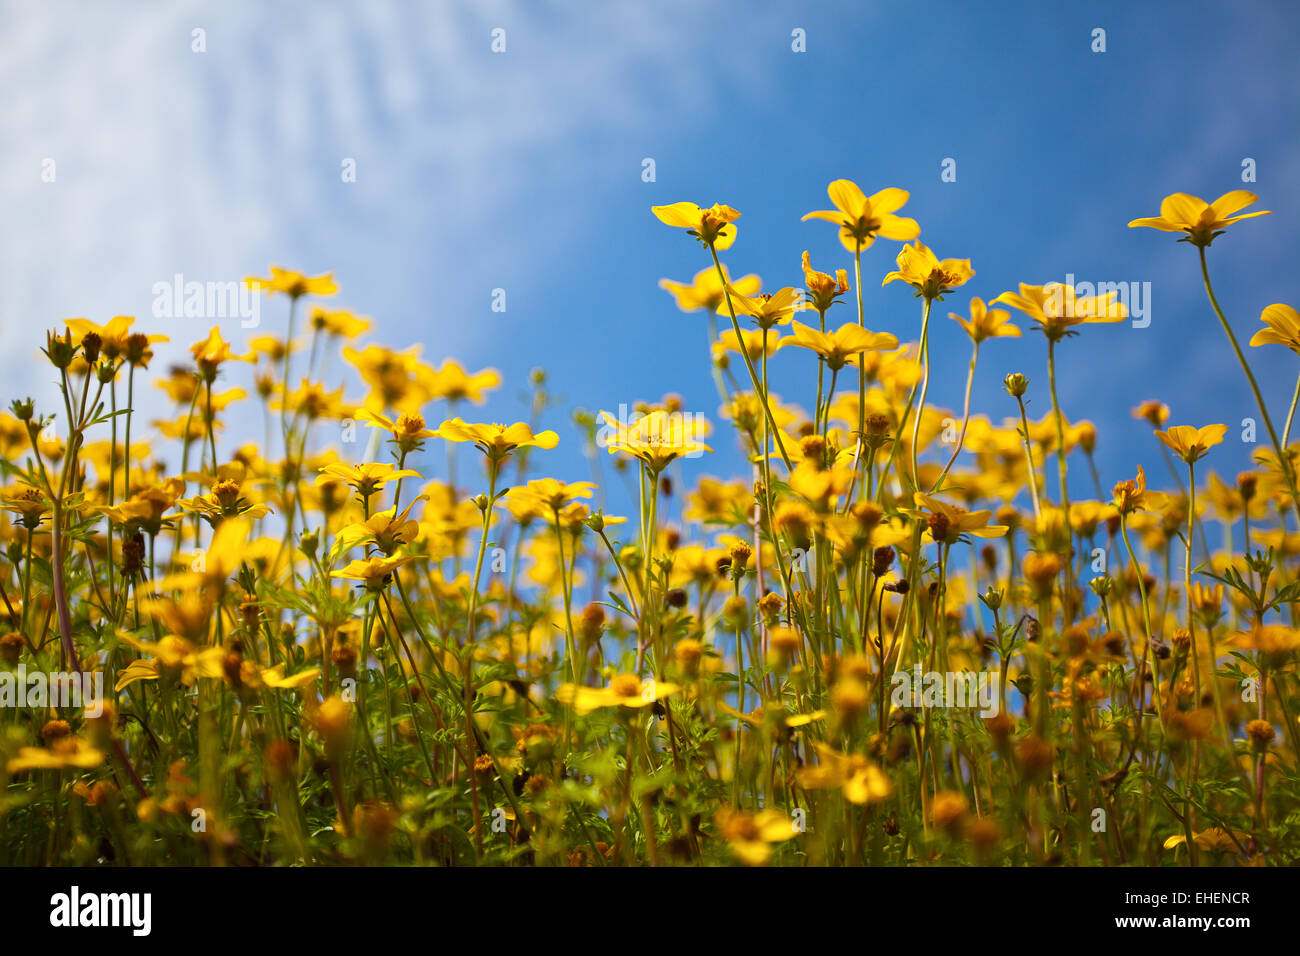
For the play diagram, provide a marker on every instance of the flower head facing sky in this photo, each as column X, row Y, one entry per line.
column 862, row 219
column 1202, row 221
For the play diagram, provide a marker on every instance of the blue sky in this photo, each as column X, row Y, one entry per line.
column 522, row 170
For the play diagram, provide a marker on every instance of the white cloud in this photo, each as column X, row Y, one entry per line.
column 213, row 164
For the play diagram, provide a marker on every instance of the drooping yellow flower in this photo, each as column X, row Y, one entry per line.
column 712, row 226
column 293, row 284
column 862, row 219
column 1190, row 443
column 751, row 835
column 657, row 438
column 1282, row 327
column 624, row 690
column 1056, row 307
column 927, row 274
column 1202, row 221
column 497, row 441
column 836, row 347
column 985, row 323
column 705, row 291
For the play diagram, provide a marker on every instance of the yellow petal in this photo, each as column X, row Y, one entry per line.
column 683, row 215
column 846, row 195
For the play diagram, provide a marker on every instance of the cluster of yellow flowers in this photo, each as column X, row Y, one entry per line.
column 862, row 651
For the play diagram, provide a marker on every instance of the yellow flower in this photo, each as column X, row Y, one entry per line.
column 367, row 478
column 986, row 323
column 544, row 497
column 212, row 351
column 1132, row 495
column 1056, row 307
column 452, row 382
column 386, row 530
column 751, row 341
column 861, row 218
column 273, row 677
column 173, row 657
column 146, row 508
column 271, row 346
column 1283, row 327
column 62, row 754
column 712, row 226
column 293, row 284
column 1085, row 516
column 228, row 498
column 927, row 274
column 497, row 441
column 718, row 502
column 705, row 290
column 396, row 379
column 1215, row 839
column 26, row 503
column 374, row 572
column 312, row 402
column 657, row 438
column 767, row 309
column 408, row 431
column 946, row 523
column 1153, row 411
column 624, row 690
column 1189, row 443
column 341, row 323
column 860, row 780
column 823, row 291
column 836, row 347
column 751, row 835
column 114, row 335
column 1202, row 221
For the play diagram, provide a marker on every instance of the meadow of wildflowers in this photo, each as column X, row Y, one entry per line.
column 895, row 639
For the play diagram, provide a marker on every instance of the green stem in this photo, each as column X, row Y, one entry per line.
column 1283, row 462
